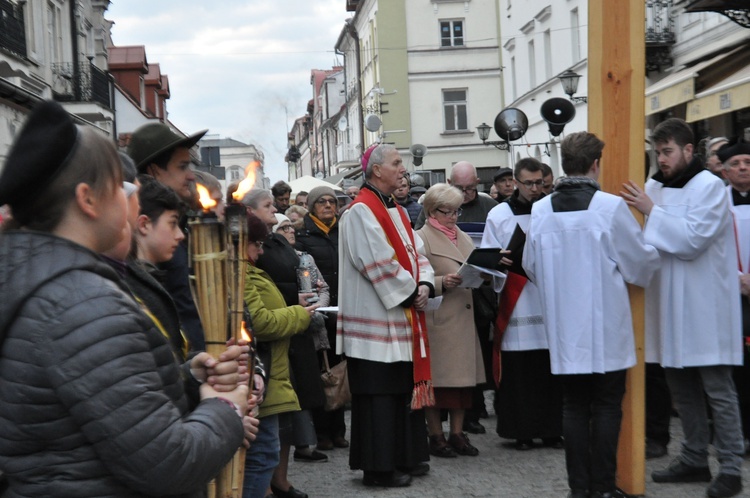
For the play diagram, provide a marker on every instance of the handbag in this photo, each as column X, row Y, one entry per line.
column 335, row 384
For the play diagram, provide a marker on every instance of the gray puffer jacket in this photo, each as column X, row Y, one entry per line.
column 92, row 402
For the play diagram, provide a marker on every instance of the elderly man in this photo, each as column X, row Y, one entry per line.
column 384, row 283
column 693, row 322
column 735, row 158
column 158, row 151
column 713, row 163
column 352, row 191
column 503, row 183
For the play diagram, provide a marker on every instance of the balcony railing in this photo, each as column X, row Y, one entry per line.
column 88, row 84
column 12, row 32
column 660, row 35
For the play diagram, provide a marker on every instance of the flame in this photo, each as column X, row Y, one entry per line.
column 247, row 183
column 204, row 197
column 244, row 333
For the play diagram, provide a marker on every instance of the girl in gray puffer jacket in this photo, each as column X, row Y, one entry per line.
column 92, row 402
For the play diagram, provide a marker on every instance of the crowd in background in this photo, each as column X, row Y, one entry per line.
column 106, row 387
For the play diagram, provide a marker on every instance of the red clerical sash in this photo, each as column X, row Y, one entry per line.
column 423, row 394
column 508, row 298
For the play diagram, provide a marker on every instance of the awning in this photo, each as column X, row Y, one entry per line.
column 730, row 94
column 677, row 88
column 339, row 178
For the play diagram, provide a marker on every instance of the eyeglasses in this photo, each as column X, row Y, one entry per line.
column 466, row 190
column 286, row 228
column 321, row 202
column 532, row 183
column 259, row 245
column 450, row 214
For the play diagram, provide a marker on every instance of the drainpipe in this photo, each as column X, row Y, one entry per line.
column 74, row 45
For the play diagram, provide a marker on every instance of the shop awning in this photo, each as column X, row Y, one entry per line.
column 728, row 95
column 677, row 88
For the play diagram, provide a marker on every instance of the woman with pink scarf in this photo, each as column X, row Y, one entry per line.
column 456, row 358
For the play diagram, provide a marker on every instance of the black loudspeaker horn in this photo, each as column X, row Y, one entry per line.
column 557, row 112
column 418, row 151
column 511, row 124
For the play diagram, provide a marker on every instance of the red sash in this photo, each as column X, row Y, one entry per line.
column 423, row 394
column 508, row 298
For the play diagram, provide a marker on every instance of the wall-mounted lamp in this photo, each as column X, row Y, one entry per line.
column 569, row 80
column 484, row 133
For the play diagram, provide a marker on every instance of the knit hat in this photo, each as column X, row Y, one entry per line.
column 151, row 140
column 280, row 218
column 40, row 152
column 735, row 147
column 316, row 194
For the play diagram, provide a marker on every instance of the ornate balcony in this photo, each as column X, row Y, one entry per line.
column 87, row 84
column 660, row 34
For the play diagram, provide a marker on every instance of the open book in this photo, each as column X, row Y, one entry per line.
column 481, row 260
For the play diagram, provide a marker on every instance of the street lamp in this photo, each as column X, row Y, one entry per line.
column 484, row 133
column 569, row 80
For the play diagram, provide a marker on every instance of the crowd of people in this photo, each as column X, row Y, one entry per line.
column 106, row 388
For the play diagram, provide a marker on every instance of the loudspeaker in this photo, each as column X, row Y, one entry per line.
column 372, row 122
column 557, row 112
column 418, row 151
column 511, row 124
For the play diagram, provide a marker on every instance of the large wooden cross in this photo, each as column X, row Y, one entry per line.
column 616, row 86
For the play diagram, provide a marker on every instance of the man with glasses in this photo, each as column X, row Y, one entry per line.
column 528, row 401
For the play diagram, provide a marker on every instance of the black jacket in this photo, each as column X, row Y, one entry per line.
column 325, row 251
column 92, row 401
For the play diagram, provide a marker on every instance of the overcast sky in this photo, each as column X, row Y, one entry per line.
column 239, row 68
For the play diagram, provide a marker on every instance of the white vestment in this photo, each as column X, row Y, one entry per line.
column 372, row 325
column 580, row 261
column 742, row 226
column 693, row 304
column 526, row 326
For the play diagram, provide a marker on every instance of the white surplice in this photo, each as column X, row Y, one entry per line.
column 693, row 304
column 742, row 226
column 580, row 261
column 525, row 330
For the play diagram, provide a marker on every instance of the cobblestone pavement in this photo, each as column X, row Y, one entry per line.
column 498, row 471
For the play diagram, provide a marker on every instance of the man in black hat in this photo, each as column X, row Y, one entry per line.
column 503, row 181
column 165, row 155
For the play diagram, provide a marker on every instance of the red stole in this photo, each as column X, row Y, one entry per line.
column 514, row 285
column 423, row 394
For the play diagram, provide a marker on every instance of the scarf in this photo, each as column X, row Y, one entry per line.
column 451, row 233
column 320, row 224
column 423, row 394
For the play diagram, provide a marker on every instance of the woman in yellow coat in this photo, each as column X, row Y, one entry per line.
column 456, row 357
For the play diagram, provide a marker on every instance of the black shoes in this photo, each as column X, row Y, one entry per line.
column 474, row 427
column 290, row 493
column 393, row 479
column 724, row 486
column 523, row 444
column 681, row 472
column 340, row 442
column 439, row 447
column 655, row 450
column 314, row 456
column 420, row 469
column 461, row 445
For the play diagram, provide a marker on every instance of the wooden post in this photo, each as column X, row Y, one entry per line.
column 616, row 86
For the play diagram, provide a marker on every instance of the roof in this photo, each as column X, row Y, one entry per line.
column 154, row 75
column 221, row 142
column 130, row 57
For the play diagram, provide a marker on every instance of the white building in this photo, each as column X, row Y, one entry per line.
column 424, row 73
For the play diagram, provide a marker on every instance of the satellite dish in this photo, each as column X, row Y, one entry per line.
column 372, row 122
column 342, row 123
column 511, row 124
column 557, row 112
column 418, row 151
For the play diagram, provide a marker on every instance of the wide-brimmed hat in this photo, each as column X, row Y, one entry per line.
column 153, row 139
column 40, row 152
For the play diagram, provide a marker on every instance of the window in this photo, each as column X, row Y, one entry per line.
column 451, row 33
column 54, row 33
column 454, row 110
column 532, row 64
column 575, row 36
column 514, row 77
column 547, row 55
